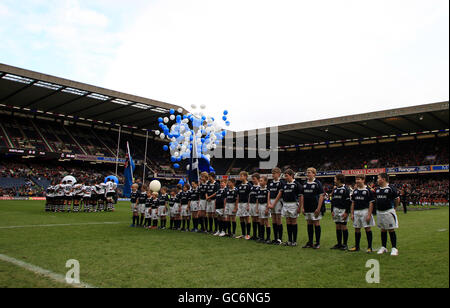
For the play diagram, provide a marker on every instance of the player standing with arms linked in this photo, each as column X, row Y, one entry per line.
column 311, row 204
column 292, row 192
column 387, row 200
column 340, row 209
column 276, row 205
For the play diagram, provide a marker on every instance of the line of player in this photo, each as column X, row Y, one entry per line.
column 214, row 205
column 81, row 197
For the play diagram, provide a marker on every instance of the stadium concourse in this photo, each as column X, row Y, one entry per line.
column 51, row 127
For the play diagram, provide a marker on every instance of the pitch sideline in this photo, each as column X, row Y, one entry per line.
column 40, row 271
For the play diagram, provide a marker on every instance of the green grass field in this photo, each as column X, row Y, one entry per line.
column 115, row 255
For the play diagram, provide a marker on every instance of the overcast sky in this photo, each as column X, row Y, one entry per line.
column 266, row 62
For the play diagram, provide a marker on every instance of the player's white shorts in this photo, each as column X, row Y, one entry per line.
column 184, row 211
column 387, row 220
column 134, row 208
column 219, row 212
column 262, row 211
column 155, row 214
column 141, row 208
column 210, row 205
column 242, row 210
column 278, row 208
column 202, row 205
column 253, row 210
column 229, row 208
column 148, row 212
column 360, row 220
column 162, row 211
column 311, row 216
column 338, row 215
column 195, row 206
column 290, row 210
column 172, row 211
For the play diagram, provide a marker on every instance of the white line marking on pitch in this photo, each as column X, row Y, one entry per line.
column 38, row 270
column 62, row 225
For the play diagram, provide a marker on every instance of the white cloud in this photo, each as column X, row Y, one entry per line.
column 278, row 62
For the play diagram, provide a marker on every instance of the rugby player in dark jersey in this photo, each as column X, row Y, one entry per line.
column 387, row 200
column 292, row 196
column 276, row 205
column 340, row 209
column 243, row 205
column 311, row 204
column 220, row 206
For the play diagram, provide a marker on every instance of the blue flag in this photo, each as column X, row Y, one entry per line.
column 128, row 173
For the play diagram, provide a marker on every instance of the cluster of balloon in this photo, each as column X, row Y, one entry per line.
column 189, row 130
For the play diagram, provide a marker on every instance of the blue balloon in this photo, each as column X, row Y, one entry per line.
column 227, row 123
column 165, row 148
column 224, row 118
column 173, row 159
column 181, row 182
column 172, row 111
column 203, row 118
column 112, row 177
column 160, row 120
column 224, row 133
column 225, row 112
column 176, row 166
column 212, row 119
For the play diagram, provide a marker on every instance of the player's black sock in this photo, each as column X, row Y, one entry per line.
column 210, row 220
column 184, row 224
column 345, row 234
column 249, row 228
column 188, row 224
column 205, row 221
column 171, row 224
column 261, row 231
column 216, row 224
column 294, row 233
column 384, row 239
column 268, row 233
column 393, row 237
column 369, row 238
column 318, row 231
column 255, row 229
column 234, row 227
column 229, row 227
column 289, row 230
column 310, row 234
column 339, row 237
column 357, row 239
column 155, row 223
column 141, row 220
column 243, row 228
column 280, row 232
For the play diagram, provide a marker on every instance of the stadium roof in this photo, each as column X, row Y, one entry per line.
column 31, row 91
column 388, row 123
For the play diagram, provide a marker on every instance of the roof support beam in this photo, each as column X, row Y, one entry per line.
column 66, row 103
column 391, row 126
column 113, row 110
column 90, row 107
column 438, row 119
column 17, row 91
column 43, row 97
column 348, row 131
column 379, row 133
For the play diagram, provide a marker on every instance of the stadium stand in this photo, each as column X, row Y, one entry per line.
column 51, row 127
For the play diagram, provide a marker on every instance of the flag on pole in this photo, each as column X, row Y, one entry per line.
column 197, row 164
column 128, row 173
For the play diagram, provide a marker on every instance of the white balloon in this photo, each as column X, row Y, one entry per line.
column 193, row 106
column 180, row 110
column 162, row 136
column 155, row 186
column 157, row 133
column 166, row 120
column 202, row 106
column 172, row 117
column 176, row 154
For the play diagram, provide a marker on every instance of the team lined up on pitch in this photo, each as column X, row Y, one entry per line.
column 77, row 197
column 213, row 205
